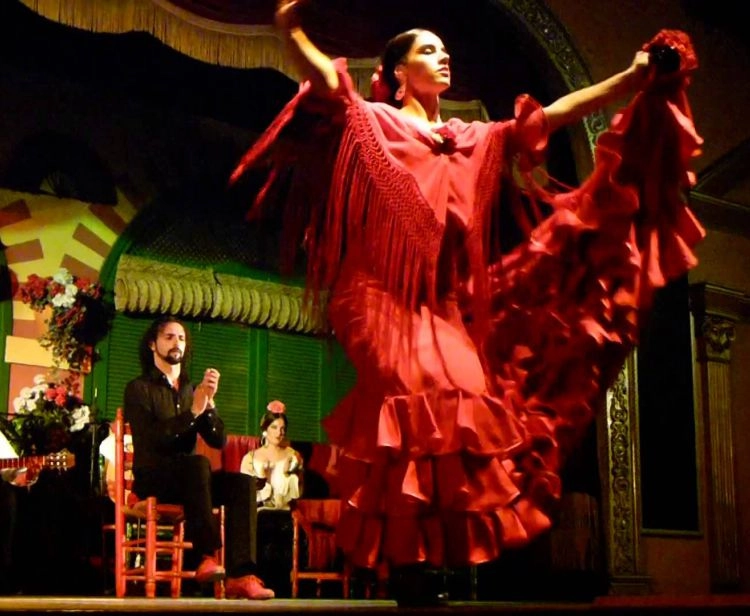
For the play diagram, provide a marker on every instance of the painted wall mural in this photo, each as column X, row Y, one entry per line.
column 41, row 234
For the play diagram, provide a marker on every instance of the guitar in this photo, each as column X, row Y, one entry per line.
column 59, row 461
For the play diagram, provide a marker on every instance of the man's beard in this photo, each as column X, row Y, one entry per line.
column 173, row 357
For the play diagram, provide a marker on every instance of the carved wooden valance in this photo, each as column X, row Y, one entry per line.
column 144, row 285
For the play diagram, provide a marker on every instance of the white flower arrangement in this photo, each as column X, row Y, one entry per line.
column 46, row 414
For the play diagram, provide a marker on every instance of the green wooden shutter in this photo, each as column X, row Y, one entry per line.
column 122, row 363
column 294, row 368
column 228, row 348
column 340, row 376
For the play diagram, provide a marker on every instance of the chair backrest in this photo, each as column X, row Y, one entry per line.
column 121, row 459
column 215, row 456
column 318, row 518
column 117, row 451
column 234, row 450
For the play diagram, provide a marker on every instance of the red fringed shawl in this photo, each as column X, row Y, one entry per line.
column 343, row 189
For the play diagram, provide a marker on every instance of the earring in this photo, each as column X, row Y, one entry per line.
column 263, row 438
column 399, row 95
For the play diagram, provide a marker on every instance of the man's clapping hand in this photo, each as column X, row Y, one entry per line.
column 203, row 396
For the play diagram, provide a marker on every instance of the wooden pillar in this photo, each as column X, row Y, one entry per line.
column 619, row 452
column 717, row 311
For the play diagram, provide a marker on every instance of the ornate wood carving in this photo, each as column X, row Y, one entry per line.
column 717, row 311
column 143, row 285
column 620, row 486
column 718, row 334
column 548, row 32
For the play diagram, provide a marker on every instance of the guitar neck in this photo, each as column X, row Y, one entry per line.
column 25, row 461
column 62, row 460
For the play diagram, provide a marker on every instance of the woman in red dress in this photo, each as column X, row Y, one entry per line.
column 477, row 367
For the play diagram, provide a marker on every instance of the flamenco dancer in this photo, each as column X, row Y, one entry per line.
column 478, row 368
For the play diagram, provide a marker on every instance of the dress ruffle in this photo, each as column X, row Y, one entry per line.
column 571, row 300
column 436, row 486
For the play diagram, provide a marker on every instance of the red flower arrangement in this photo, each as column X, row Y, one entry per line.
column 77, row 317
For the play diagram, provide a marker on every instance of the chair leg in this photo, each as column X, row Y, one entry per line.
column 105, row 560
column 295, row 557
column 150, row 563
column 382, row 575
column 345, row 581
column 473, row 582
column 119, row 557
column 175, row 584
column 221, row 554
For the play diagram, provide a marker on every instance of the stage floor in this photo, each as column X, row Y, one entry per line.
column 604, row 606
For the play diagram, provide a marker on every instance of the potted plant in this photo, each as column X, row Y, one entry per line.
column 75, row 316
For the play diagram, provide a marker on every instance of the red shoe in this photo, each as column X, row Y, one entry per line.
column 209, row 571
column 248, row 587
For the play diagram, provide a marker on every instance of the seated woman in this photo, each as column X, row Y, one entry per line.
column 275, row 463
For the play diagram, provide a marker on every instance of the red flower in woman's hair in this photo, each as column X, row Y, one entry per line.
column 379, row 90
column 276, row 406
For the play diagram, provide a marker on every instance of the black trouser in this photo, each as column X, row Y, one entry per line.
column 8, row 509
column 236, row 491
column 188, row 480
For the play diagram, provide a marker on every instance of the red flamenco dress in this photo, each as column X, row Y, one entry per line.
column 477, row 369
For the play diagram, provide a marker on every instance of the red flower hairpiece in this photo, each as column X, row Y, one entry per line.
column 379, row 90
column 277, row 407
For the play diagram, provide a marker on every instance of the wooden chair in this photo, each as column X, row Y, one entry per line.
column 147, row 531
column 317, row 519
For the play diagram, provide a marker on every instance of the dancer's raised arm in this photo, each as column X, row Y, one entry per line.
column 312, row 63
column 574, row 106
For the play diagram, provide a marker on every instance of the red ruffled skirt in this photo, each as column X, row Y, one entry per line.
column 425, row 449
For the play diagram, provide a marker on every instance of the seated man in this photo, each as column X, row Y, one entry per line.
column 166, row 415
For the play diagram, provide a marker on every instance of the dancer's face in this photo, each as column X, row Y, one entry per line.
column 426, row 67
column 276, row 432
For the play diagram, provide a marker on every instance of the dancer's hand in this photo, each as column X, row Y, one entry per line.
column 287, row 16
column 311, row 63
column 639, row 68
column 573, row 106
column 293, row 464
